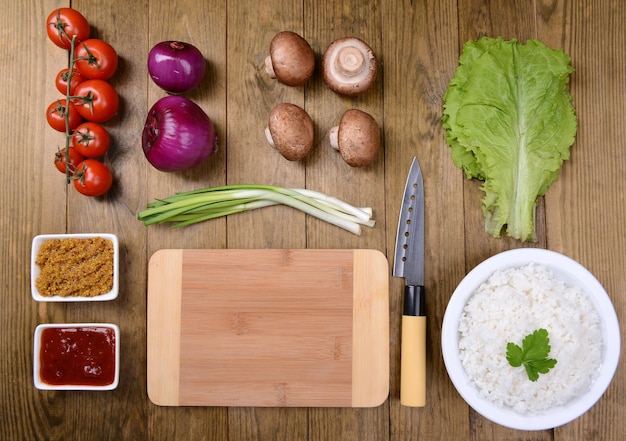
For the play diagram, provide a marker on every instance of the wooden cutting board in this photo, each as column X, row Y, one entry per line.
column 268, row 328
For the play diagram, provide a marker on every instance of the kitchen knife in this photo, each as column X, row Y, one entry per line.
column 409, row 263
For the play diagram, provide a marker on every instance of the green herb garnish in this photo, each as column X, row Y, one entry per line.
column 533, row 354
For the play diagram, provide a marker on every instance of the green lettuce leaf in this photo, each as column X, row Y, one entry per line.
column 510, row 121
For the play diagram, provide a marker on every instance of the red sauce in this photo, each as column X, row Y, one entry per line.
column 78, row 356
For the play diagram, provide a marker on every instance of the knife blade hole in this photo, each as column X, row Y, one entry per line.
column 412, row 197
column 405, row 246
column 406, row 234
column 404, row 259
column 408, row 221
column 410, row 209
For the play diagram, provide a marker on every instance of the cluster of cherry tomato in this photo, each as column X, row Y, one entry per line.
column 88, row 100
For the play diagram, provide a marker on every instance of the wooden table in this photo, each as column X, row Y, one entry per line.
column 418, row 42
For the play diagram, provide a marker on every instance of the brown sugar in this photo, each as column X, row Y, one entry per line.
column 75, row 267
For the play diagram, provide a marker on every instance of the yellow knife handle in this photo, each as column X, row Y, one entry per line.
column 413, row 349
column 413, row 361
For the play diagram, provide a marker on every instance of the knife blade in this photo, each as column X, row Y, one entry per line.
column 409, row 264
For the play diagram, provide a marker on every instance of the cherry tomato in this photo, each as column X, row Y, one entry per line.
column 60, row 159
column 55, row 115
column 91, row 140
column 64, row 23
column 92, row 178
column 98, row 100
column 61, row 80
column 96, row 59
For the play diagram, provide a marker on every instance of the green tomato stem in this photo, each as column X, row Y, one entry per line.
column 68, row 134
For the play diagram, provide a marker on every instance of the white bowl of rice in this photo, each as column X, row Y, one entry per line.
column 510, row 296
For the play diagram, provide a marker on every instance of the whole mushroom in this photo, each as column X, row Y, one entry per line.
column 349, row 66
column 291, row 60
column 290, row 131
column 357, row 137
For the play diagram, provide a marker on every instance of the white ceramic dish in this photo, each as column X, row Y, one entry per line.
column 572, row 273
column 35, row 270
column 40, row 384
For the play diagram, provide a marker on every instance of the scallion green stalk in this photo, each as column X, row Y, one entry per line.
column 187, row 208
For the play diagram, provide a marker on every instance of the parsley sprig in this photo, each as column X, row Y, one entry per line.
column 533, row 354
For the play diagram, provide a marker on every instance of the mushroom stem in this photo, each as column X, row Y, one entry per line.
column 334, row 137
column 269, row 67
column 350, row 61
column 349, row 66
column 268, row 136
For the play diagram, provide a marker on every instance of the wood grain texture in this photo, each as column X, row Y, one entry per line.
column 165, row 275
column 418, row 43
column 327, row 172
column 251, row 95
column 422, row 42
column 590, row 194
column 280, row 328
column 370, row 329
column 204, row 25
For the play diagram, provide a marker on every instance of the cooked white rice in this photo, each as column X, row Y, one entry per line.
column 512, row 304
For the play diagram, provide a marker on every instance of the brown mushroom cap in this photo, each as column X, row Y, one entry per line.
column 357, row 138
column 291, row 60
column 349, row 66
column 290, row 131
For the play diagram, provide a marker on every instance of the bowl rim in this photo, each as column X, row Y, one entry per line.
column 39, row 384
column 35, row 270
column 571, row 272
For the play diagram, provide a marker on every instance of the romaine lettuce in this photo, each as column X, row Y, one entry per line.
column 510, row 121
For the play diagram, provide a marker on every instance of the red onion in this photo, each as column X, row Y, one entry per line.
column 178, row 135
column 176, row 67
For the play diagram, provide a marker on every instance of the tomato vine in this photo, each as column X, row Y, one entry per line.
column 90, row 99
column 68, row 132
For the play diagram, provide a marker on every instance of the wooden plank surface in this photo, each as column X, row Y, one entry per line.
column 418, row 43
column 423, row 44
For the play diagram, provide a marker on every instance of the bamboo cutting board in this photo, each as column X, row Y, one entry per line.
column 306, row 328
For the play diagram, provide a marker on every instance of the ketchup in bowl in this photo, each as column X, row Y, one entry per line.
column 78, row 356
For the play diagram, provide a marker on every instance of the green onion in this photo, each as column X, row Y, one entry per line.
column 187, row 208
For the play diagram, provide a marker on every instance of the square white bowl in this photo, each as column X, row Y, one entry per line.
column 35, row 270
column 40, row 384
